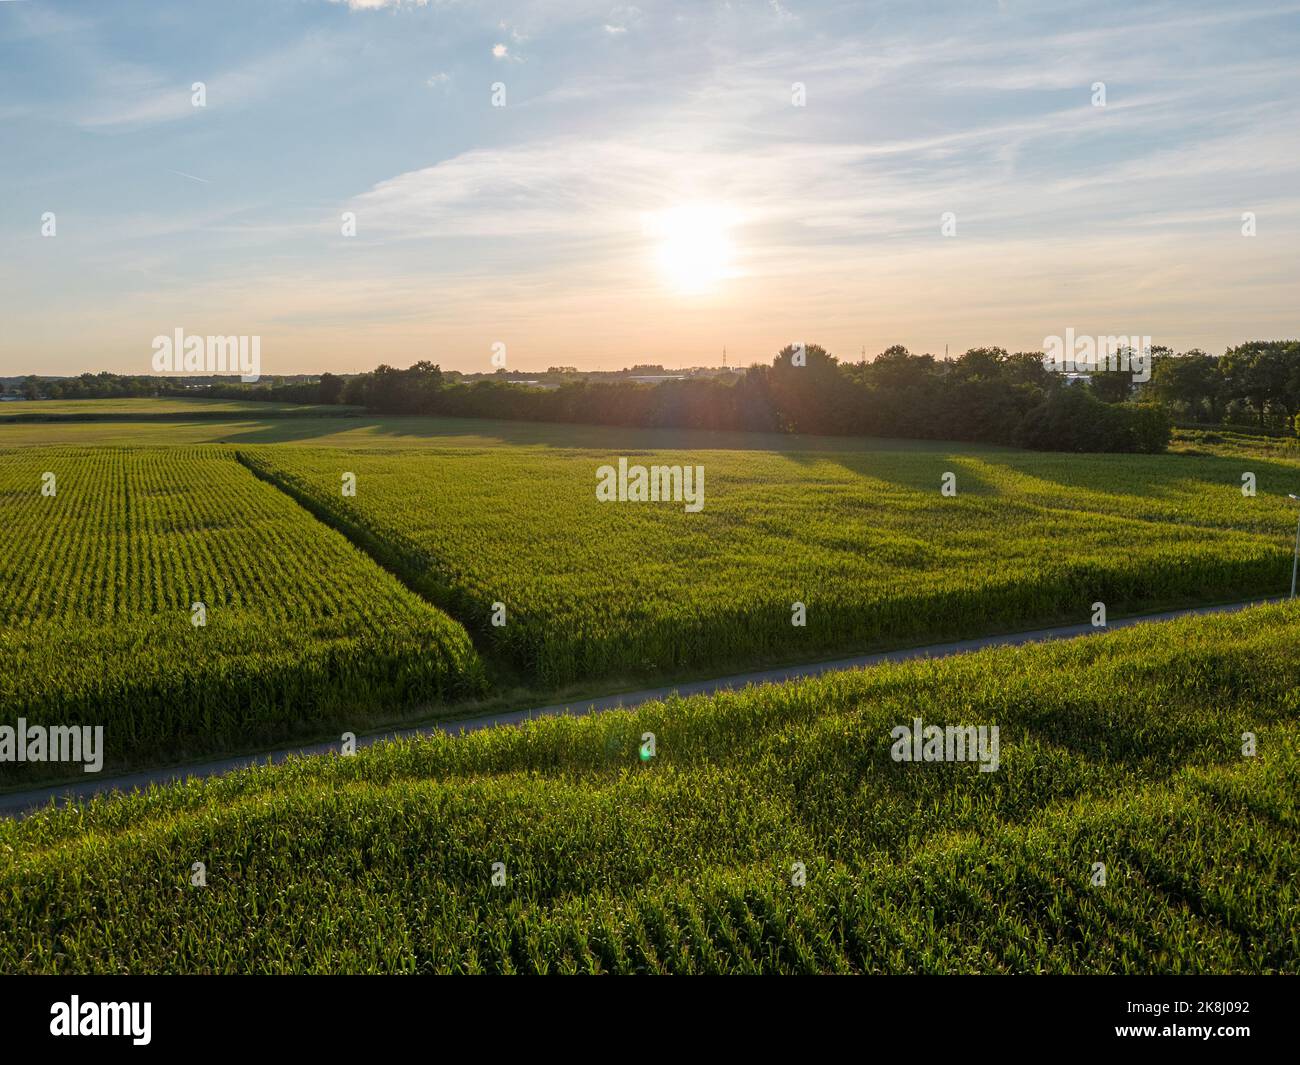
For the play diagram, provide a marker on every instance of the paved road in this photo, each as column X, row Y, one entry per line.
column 18, row 802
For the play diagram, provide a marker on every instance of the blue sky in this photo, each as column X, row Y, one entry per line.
column 541, row 224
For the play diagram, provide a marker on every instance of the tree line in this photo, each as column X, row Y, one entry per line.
column 1257, row 382
column 986, row 395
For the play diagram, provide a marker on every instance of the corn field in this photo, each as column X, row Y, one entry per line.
column 98, row 586
column 555, row 848
column 865, row 541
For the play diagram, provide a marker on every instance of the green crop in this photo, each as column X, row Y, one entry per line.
column 97, row 590
column 864, row 540
column 1123, row 749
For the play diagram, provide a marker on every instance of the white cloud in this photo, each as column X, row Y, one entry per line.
column 782, row 14
column 131, row 96
column 1130, row 212
column 375, row 5
column 622, row 19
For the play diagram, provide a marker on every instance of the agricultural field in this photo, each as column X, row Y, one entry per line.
column 169, row 407
column 864, row 539
column 305, row 631
column 773, row 830
column 386, row 432
column 108, row 550
column 1235, row 443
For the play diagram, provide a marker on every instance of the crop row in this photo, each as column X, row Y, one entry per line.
column 1124, row 750
column 99, row 582
column 865, row 541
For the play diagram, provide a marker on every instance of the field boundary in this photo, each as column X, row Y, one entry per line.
column 389, row 556
column 38, row 417
column 18, row 803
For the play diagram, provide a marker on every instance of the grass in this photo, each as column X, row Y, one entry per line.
column 1124, row 749
column 1235, row 443
column 384, row 432
column 202, row 421
column 164, row 408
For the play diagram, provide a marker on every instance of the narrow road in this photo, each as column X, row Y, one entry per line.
column 19, row 802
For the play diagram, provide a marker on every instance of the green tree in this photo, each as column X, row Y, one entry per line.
column 1261, row 373
column 330, row 388
column 897, row 368
column 1190, row 382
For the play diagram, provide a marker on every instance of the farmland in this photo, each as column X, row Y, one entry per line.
column 1124, row 750
column 306, row 634
column 246, row 426
column 864, row 539
column 170, row 408
column 98, row 585
column 327, row 612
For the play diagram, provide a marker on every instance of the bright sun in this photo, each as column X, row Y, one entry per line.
column 694, row 249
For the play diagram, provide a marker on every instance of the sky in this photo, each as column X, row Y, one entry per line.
column 597, row 184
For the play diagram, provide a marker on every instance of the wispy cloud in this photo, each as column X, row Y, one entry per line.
column 474, row 218
column 375, row 5
column 134, row 95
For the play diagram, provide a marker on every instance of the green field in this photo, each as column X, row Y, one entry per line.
column 98, row 583
column 1124, row 749
column 170, row 407
column 384, row 432
column 306, row 631
column 863, row 538
column 328, row 613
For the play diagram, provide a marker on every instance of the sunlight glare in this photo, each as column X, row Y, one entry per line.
column 694, row 248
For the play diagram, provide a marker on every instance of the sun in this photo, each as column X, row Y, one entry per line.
column 694, row 250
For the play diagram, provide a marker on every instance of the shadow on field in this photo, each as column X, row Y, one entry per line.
column 417, row 431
